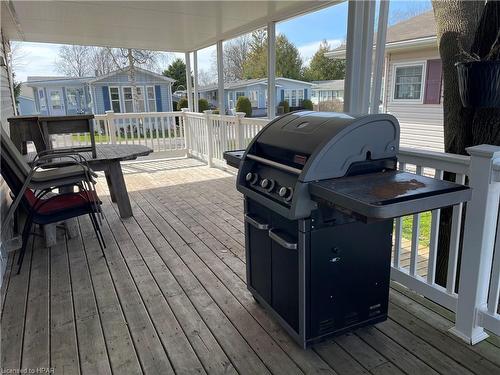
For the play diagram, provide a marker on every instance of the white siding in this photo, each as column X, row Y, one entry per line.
column 421, row 124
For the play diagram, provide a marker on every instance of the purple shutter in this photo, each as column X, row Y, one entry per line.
column 433, row 82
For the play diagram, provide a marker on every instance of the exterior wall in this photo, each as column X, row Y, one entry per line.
column 6, row 110
column 261, row 90
column 421, row 124
column 121, row 80
column 26, row 106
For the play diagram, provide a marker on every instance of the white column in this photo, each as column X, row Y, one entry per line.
column 367, row 54
column 478, row 244
column 189, row 88
column 271, row 70
column 195, row 79
column 220, row 77
column 378, row 68
column 359, row 47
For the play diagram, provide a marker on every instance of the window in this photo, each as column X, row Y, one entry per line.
column 114, row 95
column 43, row 103
column 254, row 98
column 408, row 82
column 128, row 99
column 288, row 96
column 55, row 99
column 141, row 100
column 294, row 97
column 239, row 93
column 71, row 97
column 150, row 92
column 300, row 97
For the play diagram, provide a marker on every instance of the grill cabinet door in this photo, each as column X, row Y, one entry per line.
column 285, row 270
column 258, row 248
column 259, row 257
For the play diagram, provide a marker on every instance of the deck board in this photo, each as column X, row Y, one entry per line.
column 170, row 297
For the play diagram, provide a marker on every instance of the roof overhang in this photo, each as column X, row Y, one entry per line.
column 176, row 26
column 402, row 45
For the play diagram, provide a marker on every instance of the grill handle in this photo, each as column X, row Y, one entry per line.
column 255, row 223
column 282, row 242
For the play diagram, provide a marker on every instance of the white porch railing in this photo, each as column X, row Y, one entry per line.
column 162, row 131
column 476, row 241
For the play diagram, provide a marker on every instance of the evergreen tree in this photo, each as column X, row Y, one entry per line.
column 323, row 68
column 177, row 70
column 288, row 60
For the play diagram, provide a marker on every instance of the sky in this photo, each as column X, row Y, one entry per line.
column 306, row 32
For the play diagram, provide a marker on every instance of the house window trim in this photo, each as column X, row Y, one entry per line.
column 146, row 98
column 43, row 106
column 409, row 64
column 119, row 98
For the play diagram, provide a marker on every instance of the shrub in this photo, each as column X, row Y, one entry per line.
column 285, row 105
column 243, row 105
column 202, row 105
column 307, row 104
column 182, row 103
column 216, row 111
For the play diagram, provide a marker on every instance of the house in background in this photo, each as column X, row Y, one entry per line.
column 57, row 96
column 323, row 91
column 26, row 101
column 412, row 84
column 291, row 90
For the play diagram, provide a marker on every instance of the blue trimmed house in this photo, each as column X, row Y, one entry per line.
column 58, row 96
column 291, row 90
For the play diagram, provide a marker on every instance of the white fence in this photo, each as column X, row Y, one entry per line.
column 162, row 131
column 475, row 233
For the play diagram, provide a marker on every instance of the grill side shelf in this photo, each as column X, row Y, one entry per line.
column 233, row 158
column 385, row 195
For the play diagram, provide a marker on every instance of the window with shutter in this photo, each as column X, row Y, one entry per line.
column 433, row 81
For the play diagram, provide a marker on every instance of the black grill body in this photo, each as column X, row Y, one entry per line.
column 321, row 191
column 331, row 282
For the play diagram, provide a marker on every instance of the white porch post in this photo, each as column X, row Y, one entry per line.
column 478, row 244
column 189, row 88
column 220, row 78
column 195, row 79
column 271, row 70
column 379, row 55
column 359, row 56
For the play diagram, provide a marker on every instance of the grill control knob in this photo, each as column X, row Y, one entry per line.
column 267, row 184
column 252, row 177
column 285, row 192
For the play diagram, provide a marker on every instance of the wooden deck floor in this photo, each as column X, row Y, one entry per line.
column 170, row 297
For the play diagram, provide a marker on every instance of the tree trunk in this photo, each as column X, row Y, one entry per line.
column 462, row 26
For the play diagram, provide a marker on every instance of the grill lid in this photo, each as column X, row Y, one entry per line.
column 325, row 144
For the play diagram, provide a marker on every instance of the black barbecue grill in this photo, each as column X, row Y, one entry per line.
column 321, row 190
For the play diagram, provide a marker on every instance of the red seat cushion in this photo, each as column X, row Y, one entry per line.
column 60, row 202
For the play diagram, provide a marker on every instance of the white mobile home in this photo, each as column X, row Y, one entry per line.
column 413, row 81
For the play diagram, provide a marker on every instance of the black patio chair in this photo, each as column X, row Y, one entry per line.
column 45, row 207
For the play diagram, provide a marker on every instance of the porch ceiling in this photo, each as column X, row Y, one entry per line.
column 178, row 26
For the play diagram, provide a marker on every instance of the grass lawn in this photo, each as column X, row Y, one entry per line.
column 101, row 138
column 425, row 228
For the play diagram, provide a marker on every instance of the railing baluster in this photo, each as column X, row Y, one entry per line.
column 398, row 232
column 434, row 236
column 415, row 236
column 494, row 293
column 456, row 225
